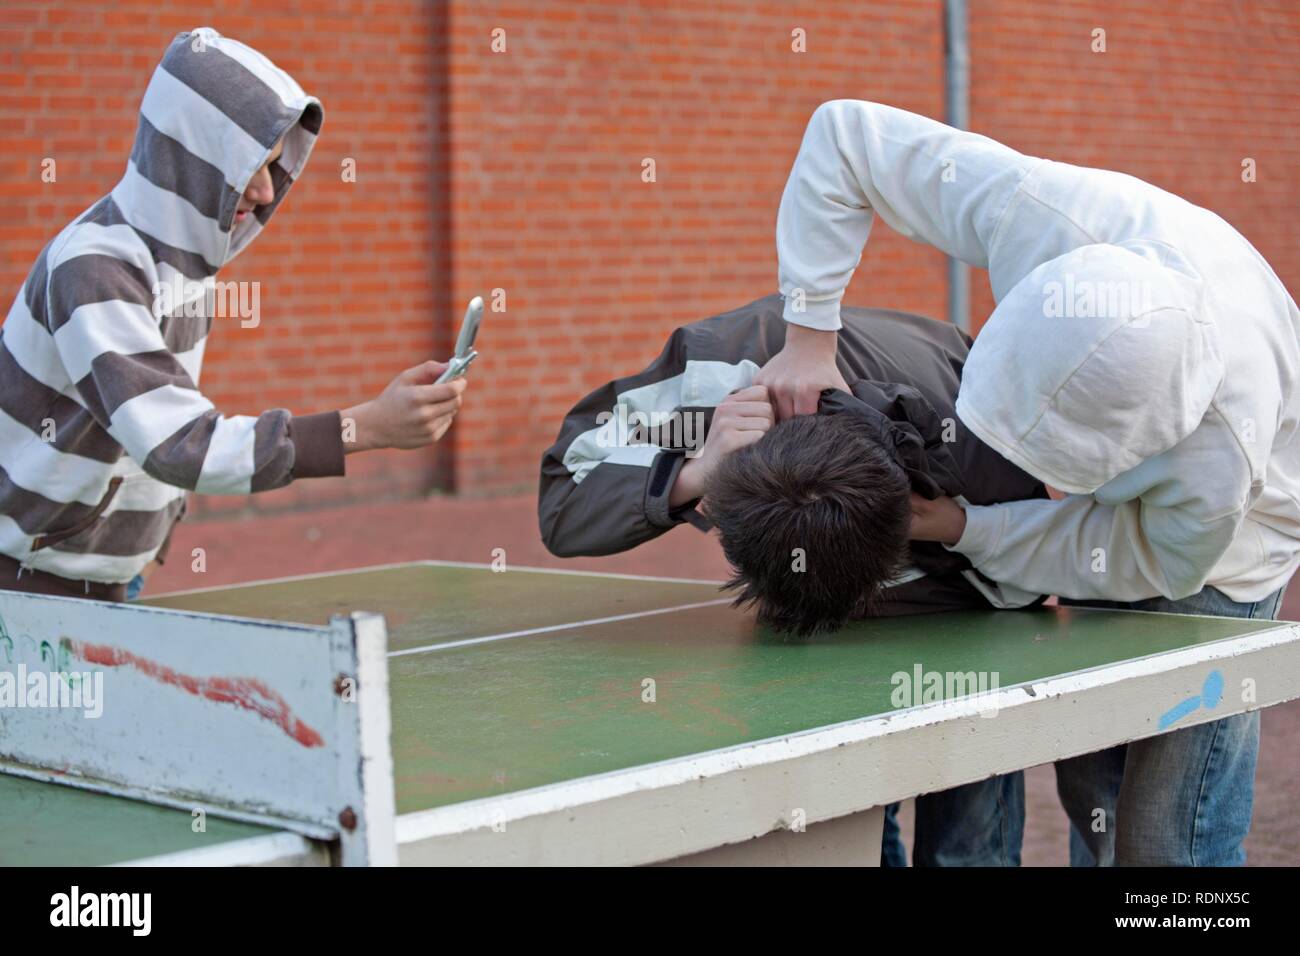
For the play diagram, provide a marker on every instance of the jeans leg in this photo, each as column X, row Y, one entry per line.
column 1184, row 798
column 892, row 851
column 1089, row 787
column 1188, row 796
column 979, row 824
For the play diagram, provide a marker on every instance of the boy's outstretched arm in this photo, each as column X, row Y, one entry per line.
column 114, row 350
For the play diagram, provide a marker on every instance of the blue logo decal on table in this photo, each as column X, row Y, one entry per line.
column 1209, row 697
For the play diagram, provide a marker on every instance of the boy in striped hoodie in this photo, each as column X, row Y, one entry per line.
column 103, row 429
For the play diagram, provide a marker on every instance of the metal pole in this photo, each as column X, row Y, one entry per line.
column 956, row 67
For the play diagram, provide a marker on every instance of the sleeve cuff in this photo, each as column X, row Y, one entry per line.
column 822, row 315
column 663, row 475
column 984, row 525
column 317, row 445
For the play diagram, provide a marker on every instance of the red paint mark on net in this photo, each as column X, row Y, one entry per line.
column 245, row 692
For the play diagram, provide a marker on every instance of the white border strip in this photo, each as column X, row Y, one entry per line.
column 276, row 849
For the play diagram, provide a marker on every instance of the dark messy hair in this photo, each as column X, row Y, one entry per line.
column 815, row 483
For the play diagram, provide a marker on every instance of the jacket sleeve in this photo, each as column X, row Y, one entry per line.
column 1164, row 541
column 113, row 350
column 605, row 483
column 938, row 185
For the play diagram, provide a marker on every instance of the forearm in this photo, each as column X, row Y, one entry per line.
column 939, row 185
column 688, row 487
column 215, row 454
column 357, row 428
column 1081, row 549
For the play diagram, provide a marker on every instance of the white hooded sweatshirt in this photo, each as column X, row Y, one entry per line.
column 1142, row 356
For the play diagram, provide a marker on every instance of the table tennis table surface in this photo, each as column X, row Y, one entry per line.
column 505, row 681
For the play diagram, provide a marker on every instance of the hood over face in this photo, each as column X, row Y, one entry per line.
column 1094, row 362
column 210, row 119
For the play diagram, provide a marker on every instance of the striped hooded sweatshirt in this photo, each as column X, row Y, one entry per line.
column 103, row 428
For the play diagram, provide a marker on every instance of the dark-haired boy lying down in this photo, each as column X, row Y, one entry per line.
column 813, row 512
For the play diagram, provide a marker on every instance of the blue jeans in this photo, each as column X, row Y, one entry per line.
column 1181, row 799
column 979, row 824
column 134, row 588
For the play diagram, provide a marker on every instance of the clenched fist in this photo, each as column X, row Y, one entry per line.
column 796, row 375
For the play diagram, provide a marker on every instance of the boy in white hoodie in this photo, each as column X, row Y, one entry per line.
column 1142, row 358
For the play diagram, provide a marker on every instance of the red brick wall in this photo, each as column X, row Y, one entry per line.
column 521, row 171
column 1183, row 94
column 547, row 143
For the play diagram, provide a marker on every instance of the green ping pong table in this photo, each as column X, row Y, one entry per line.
column 548, row 717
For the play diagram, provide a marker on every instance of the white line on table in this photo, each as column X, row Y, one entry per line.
column 568, row 626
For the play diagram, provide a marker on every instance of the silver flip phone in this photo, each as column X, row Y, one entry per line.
column 465, row 354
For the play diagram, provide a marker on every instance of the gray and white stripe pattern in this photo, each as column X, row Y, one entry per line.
column 102, row 426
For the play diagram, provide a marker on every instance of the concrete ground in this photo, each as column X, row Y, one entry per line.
column 245, row 549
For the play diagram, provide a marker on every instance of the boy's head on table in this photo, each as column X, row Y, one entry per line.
column 814, row 519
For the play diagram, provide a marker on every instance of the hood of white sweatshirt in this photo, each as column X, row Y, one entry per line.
column 211, row 117
column 1092, row 363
